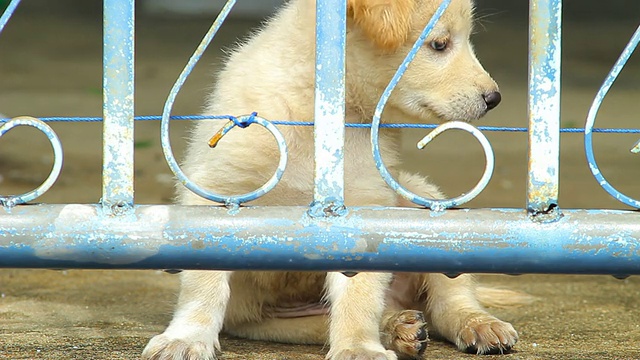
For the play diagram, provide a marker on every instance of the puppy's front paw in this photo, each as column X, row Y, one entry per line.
column 487, row 335
column 161, row 347
column 363, row 354
column 406, row 333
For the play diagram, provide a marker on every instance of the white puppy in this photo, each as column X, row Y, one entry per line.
column 373, row 316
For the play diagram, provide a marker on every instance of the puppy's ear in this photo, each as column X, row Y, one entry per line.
column 385, row 22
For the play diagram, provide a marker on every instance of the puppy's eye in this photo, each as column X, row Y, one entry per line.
column 439, row 45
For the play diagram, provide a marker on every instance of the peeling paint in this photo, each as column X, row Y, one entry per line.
column 157, row 236
column 545, row 24
column 325, row 236
column 329, row 112
column 118, row 111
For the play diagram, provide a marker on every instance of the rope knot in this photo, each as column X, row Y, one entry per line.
column 245, row 121
column 242, row 123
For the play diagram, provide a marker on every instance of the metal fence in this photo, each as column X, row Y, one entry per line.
column 117, row 233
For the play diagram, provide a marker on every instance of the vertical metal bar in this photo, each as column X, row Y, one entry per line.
column 329, row 107
column 118, row 88
column 544, row 104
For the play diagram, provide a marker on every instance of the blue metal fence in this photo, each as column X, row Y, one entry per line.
column 117, row 233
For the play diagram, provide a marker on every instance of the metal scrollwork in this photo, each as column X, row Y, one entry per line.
column 13, row 200
column 591, row 118
column 433, row 204
column 241, row 121
column 9, row 201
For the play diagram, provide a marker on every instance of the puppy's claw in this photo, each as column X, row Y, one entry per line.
column 406, row 333
column 487, row 336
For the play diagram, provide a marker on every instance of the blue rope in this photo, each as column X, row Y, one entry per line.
column 245, row 123
column 238, row 122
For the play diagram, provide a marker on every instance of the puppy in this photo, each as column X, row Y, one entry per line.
column 371, row 316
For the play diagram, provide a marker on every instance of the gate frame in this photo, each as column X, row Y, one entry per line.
column 117, row 233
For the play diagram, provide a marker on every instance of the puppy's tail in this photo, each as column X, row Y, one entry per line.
column 502, row 298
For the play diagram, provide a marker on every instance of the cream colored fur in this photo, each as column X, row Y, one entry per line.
column 374, row 316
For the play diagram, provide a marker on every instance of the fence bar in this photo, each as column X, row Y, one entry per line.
column 544, row 104
column 329, row 107
column 288, row 238
column 118, row 59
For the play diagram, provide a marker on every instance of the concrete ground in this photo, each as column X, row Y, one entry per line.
column 50, row 65
column 77, row 314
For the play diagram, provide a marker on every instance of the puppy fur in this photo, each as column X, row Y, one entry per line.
column 371, row 316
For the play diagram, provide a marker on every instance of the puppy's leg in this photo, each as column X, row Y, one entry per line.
column 193, row 332
column 418, row 185
column 357, row 304
column 451, row 303
column 403, row 329
column 456, row 314
column 299, row 330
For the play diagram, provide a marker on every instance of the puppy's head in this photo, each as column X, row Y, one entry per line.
column 444, row 82
column 386, row 23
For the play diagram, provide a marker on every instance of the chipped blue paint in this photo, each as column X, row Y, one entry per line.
column 287, row 238
column 10, row 201
column 118, row 89
column 324, row 236
column 591, row 119
column 329, row 113
column 545, row 24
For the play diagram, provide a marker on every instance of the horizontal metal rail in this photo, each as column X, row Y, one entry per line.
column 120, row 234
column 288, row 238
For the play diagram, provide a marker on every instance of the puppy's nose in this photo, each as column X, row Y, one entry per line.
column 492, row 99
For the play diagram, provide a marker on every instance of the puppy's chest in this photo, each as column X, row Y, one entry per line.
column 292, row 287
column 359, row 164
